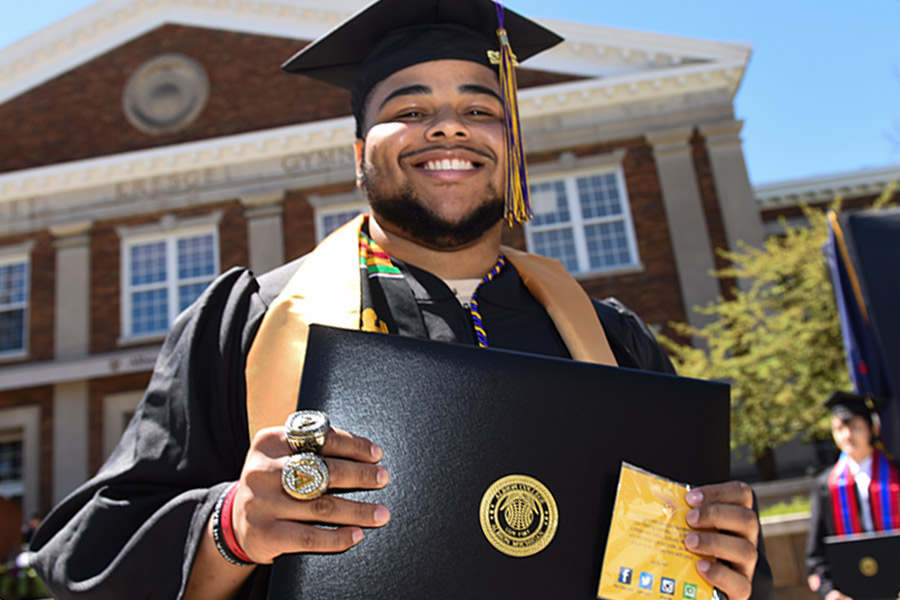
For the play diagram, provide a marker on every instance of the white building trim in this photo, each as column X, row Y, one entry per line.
column 823, row 188
column 338, row 134
column 51, row 372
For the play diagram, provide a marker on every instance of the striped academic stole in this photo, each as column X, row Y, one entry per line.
column 884, row 496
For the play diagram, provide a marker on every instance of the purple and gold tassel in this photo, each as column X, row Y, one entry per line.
column 518, row 204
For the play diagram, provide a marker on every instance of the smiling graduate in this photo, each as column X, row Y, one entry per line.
column 204, row 490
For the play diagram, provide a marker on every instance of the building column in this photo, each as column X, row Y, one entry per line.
column 691, row 245
column 72, row 340
column 736, row 201
column 265, row 230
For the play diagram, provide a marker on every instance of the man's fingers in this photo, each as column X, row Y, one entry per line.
column 731, row 492
column 728, row 530
column 263, row 532
column 272, row 441
column 268, row 522
column 735, row 585
column 737, row 551
column 726, row 517
column 289, row 537
column 349, row 475
column 340, row 443
column 306, row 538
column 334, row 510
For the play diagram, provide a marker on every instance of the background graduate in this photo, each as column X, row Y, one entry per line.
column 860, row 493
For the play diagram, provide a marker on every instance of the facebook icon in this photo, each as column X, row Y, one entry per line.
column 625, row 575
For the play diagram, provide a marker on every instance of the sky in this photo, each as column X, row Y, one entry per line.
column 821, row 93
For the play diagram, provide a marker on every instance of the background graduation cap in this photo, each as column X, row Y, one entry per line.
column 390, row 35
column 845, row 405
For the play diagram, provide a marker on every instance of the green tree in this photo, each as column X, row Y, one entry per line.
column 777, row 341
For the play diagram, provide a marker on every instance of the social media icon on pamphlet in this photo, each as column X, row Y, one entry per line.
column 690, row 591
column 625, row 575
column 646, row 581
column 667, row 586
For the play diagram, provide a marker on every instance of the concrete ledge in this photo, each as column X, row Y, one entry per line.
column 785, row 538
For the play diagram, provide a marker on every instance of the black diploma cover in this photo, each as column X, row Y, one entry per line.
column 453, row 420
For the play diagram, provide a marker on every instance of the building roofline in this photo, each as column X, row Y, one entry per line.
column 820, row 188
column 589, row 50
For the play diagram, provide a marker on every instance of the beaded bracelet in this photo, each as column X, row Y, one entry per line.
column 222, row 532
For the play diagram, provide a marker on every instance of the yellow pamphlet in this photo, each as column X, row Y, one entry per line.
column 645, row 556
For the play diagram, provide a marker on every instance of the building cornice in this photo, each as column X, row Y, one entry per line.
column 16, row 377
column 338, row 134
column 178, row 159
column 823, row 188
column 589, row 50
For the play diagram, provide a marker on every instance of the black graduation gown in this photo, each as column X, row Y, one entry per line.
column 820, row 526
column 133, row 529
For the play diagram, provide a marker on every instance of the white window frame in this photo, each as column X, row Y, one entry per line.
column 578, row 223
column 325, row 206
column 27, row 421
column 168, row 231
column 14, row 487
column 14, row 255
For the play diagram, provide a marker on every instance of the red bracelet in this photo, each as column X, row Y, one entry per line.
column 227, row 532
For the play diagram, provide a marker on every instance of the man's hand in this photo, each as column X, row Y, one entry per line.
column 728, row 530
column 267, row 522
column 838, row 595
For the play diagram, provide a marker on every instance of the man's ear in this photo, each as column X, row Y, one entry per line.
column 359, row 147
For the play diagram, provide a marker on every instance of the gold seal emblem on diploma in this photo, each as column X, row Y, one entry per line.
column 518, row 515
column 868, row 566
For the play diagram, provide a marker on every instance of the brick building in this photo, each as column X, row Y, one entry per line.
column 151, row 144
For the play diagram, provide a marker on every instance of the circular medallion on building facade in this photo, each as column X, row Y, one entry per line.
column 165, row 94
column 518, row 515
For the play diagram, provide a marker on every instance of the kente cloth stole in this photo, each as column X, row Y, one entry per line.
column 373, row 263
column 387, row 303
column 326, row 289
column 884, row 496
column 390, row 306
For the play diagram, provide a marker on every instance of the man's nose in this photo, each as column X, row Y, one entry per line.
column 447, row 124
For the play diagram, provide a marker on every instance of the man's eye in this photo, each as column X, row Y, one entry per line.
column 410, row 114
column 482, row 113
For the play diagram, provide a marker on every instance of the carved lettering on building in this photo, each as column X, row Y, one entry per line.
column 132, row 364
column 170, row 184
column 318, row 160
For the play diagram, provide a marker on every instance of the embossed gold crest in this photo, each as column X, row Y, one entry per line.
column 868, row 566
column 518, row 515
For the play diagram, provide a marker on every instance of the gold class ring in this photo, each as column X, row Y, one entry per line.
column 305, row 476
column 306, row 429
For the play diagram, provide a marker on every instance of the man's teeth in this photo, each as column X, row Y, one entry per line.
column 449, row 164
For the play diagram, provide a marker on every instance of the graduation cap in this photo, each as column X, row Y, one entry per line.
column 390, row 35
column 845, row 405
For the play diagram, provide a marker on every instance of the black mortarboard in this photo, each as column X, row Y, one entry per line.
column 390, row 35
column 846, row 404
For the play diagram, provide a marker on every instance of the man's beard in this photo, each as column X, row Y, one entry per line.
column 405, row 209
